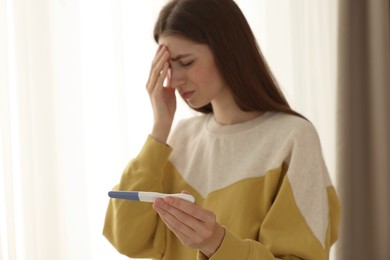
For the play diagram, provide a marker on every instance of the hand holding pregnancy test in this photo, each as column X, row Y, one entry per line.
column 147, row 196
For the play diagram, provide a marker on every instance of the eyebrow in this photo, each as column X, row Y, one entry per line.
column 178, row 57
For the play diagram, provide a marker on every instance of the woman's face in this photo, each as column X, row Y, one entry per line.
column 193, row 71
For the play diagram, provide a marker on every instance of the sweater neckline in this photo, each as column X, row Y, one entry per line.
column 214, row 127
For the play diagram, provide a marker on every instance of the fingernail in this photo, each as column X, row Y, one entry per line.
column 168, row 200
column 158, row 202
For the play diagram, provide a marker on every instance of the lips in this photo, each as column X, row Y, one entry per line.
column 187, row 94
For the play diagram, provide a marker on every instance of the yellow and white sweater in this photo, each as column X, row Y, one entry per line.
column 265, row 180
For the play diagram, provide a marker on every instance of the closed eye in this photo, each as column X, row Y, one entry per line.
column 185, row 64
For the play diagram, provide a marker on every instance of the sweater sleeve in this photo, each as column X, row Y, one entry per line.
column 129, row 233
column 303, row 220
column 284, row 235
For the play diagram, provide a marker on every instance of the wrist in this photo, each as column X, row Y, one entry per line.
column 215, row 243
column 160, row 133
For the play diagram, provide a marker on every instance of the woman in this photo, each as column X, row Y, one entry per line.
column 253, row 164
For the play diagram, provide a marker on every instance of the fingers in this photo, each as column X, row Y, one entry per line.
column 163, row 75
column 187, row 212
column 159, row 53
column 185, row 215
column 189, row 208
column 163, row 99
column 188, row 229
column 181, row 229
column 194, row 226
column 159, row 69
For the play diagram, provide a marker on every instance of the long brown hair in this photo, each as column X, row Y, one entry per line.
column 222, row 26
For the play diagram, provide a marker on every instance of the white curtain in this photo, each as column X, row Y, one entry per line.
column 74, row 109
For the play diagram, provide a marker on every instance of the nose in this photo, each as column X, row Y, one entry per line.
column 178, row 77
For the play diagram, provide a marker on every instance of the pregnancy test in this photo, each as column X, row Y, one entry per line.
column 147, row 196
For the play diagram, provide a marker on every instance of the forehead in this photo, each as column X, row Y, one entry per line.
column 178, row 45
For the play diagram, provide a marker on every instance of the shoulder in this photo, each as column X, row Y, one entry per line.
column 298, row 143
column 291, row 127
column 304, row 150
column 290, row 122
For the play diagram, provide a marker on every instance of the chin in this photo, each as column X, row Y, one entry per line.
column 196, row 105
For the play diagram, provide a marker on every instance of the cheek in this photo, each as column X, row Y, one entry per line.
column 207, row 76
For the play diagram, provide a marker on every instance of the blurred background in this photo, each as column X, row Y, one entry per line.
column 74, row 111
